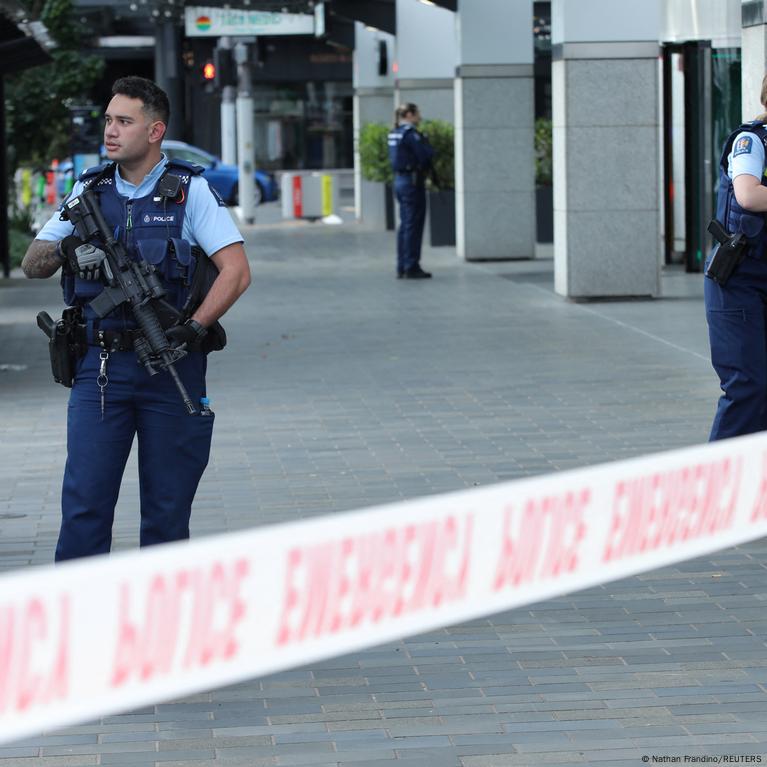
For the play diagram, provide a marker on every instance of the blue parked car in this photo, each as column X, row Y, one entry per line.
column 223, row 178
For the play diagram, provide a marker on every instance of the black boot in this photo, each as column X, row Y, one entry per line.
column 416, row 273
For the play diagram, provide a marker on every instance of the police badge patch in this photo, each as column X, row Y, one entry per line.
column 742, row 146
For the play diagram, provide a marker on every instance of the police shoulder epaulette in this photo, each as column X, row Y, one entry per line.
column 185, row 167
column 759, row 129
column 96, row 170
column 755, row 127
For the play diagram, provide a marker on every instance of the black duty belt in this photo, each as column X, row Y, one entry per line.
column 417, row 177
column 112, row 340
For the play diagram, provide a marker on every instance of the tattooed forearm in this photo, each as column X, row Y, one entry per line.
column 40, row 259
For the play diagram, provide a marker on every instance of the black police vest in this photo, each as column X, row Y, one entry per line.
column 150, row 228
column 401, row 158
column 729, row 213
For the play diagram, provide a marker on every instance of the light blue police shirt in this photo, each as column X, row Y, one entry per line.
column 206, row 222
column 746, row 156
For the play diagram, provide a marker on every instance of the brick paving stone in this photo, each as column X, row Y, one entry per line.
column 340, row 393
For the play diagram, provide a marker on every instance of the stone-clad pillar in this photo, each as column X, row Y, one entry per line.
column 753, row 55
column 425, row 58
column 494, row 121
column 605, row 93
column 373, row 99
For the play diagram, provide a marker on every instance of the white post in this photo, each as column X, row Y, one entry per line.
column 373, row 97
column 228, row 116
column 245, row 149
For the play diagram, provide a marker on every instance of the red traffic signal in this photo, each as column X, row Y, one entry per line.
column 209, row 71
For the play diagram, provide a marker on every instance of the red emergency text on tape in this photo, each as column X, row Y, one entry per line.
column 759, row 510
column 34, row 653
column 371, row 577
column 189, row 620
column 541, row 538
column 658, row 510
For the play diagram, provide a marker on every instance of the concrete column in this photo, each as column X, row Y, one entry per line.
column 494, row 119
column 373, row 97
column 605, row 94
column 425, row 58
column 753, row 56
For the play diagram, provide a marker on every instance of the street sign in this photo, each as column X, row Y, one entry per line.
column 319, row 20
column 203, row 21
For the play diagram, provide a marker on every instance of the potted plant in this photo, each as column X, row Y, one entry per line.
column 441, row 183
column 374, row 162
column 544, row 196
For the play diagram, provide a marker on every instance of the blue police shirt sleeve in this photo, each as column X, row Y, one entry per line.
column 55, row 229
column 747, row 156
column 207, row 223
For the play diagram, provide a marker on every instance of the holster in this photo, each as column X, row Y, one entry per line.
column 67, row 342
column 728, row 252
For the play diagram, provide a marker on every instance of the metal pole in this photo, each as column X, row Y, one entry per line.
column 168, row 74
column 5, row 254
column 228, row 116
column 245, row 149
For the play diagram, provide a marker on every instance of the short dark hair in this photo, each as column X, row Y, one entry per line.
column 154, row 98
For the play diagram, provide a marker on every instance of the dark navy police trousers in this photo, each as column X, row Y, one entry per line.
column 738, row 336
column 412, row 214
column 173, row 451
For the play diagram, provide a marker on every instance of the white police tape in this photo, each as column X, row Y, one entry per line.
column 97, row 636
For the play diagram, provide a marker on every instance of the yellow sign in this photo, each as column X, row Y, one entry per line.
column 327, row 195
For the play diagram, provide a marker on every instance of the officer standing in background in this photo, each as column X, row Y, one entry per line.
column 735, row 310
column 411, row 157
column 158, row 210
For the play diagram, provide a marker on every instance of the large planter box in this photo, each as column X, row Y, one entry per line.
column 442, row 217
column 391, row 222
column 544, row 213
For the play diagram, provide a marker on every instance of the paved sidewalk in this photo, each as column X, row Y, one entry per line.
column 343, row 387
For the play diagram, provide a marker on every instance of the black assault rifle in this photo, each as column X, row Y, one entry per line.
column 134, row 282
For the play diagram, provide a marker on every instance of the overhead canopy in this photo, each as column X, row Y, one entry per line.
column 340, row 15
column 380, row 14
column 451, row 5
column 23, row 44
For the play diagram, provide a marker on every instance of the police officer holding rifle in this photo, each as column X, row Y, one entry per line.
column 150, row 260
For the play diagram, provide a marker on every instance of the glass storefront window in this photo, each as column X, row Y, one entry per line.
column 303, row 125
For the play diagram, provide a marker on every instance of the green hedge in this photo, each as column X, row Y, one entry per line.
column 374, row 152
column 543, row 162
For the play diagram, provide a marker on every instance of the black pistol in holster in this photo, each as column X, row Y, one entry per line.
column 66, row 342
column 729, row 251
column 132, row 282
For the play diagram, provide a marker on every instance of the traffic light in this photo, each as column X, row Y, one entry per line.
column 209, row 71
column 225, row 70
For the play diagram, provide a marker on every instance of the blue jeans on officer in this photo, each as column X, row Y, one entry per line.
column 738, row 336
column 412, row 212
column 173, row 451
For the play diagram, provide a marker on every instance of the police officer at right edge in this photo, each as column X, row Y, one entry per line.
column 735, row 310
column 411, row 156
